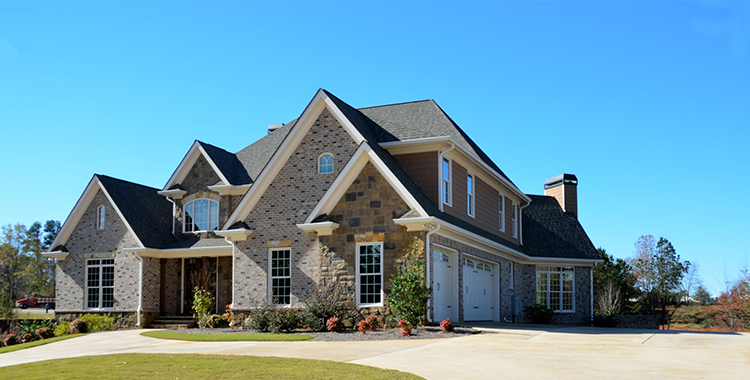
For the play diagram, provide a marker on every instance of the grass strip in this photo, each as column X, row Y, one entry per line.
column 237, row 337
column 35, row 343
column 193, row 366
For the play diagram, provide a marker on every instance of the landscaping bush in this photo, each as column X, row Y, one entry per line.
column 259, row 317
column 27, row 337
column 322, row 306
column 202, row 302
column 45, row 333
column 98, row 322
column 364, row 326
column 539, row 314
column 334, row 324
column 30, row 326
column 78, row 326
column 405, row 327
column 215, row 320
column 409, row 291
column 284, row 320
column 10, row 340
column 227, row 316
column 373, row 321
column 446, row 325
column 605, row 321
column 62, row 328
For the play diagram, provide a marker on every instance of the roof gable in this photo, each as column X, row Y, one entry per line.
column 146, row 214
column 196, row 150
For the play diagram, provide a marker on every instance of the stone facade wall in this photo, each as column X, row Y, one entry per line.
column 122, row 319
column 423, row 168
column 366, row 214
column 288, row 200
column 86, row 242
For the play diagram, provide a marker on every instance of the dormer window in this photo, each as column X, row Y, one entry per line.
column 325, row 163
column 100, row 217
column 201, row 215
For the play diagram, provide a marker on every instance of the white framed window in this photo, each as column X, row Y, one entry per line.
column 511, row 270
column 280, row 284
column 100, row 283
column 325, row 163
column 555, row 288
column 100, row 214
column 501, row 211
column 201, row 215
column 515, row 220
column 369, row 274
column 447, row 176
column 470, row 194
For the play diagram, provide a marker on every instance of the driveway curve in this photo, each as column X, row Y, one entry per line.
column 501, row 351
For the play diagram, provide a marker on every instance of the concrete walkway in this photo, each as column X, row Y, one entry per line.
column 501, row 351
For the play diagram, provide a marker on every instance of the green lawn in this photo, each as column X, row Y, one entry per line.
column 227, row 337
column 36, row 343
column 171, row 366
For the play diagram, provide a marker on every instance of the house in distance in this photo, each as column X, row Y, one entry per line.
column 335, row 198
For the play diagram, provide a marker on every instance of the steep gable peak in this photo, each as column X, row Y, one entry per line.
column 197, row 150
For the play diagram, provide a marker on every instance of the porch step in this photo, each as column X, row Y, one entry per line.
column 173, row 322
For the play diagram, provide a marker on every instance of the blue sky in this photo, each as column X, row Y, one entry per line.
column 648, row 103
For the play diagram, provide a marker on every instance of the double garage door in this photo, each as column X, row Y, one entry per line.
column 478, row 290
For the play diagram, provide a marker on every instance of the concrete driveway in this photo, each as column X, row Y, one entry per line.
column 501, row 351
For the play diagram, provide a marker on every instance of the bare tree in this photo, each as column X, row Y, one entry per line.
column 689, row 282
column 608, row 299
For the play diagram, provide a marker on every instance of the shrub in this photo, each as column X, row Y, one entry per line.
column 98, row 322
column 405, row 327
column 62, row 328
column 259, row 317
column 539, row 314
column 322, row 306
column 409, row 290
column 605, row 321
column 373, row 321
column 283, row 319
column 10, row 340
column 202, row 302
column 78, row 326
column 364, row 326
column 227, row 316
column 30, row 326
column 45, row 333
column 215, row 320
column 27, row 337
column 333, row 324
column 446, row 325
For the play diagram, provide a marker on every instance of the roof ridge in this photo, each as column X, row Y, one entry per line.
column 212, row 145
column 397, row 104
column 125, row 181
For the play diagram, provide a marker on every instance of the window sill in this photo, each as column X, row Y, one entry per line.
column 370, row 304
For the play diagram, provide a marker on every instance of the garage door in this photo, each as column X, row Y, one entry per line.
column 479, row 290
column 442, row 285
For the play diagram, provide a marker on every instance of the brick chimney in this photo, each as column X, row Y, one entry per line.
column 564, row 188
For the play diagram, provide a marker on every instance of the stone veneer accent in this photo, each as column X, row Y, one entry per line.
column 366, row 214
column 290, row 197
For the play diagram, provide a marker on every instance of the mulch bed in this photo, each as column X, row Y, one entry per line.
column 426, row 332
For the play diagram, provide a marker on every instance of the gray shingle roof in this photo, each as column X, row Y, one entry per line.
column 550, row 232
column 254, row 157
column 228, row 164
column 147, row 212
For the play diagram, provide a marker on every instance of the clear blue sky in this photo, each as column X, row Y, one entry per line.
column 647, row 103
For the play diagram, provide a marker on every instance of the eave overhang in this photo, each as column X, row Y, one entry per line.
column 174, row 194
column 238, row 234
column 60, row 255
column 321, row 228
column 177, row 253
column 230, row 189
column 452, row 231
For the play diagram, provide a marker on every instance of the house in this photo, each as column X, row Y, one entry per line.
column 337, row 197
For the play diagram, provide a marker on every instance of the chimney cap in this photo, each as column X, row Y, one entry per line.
column 560, row 179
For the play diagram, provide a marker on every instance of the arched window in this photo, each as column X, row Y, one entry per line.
column 325, row 164
column 100, row 217
column 201, row 215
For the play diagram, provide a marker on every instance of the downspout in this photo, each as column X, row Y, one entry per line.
column 174, row 212
column 591, row 290
column 435, row 228
column 140, row 290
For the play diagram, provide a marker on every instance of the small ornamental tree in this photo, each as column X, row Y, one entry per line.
column 409, row 291
column 202, row 302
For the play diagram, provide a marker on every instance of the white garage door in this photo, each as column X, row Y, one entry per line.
column 479, row 290
column 442, row 285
